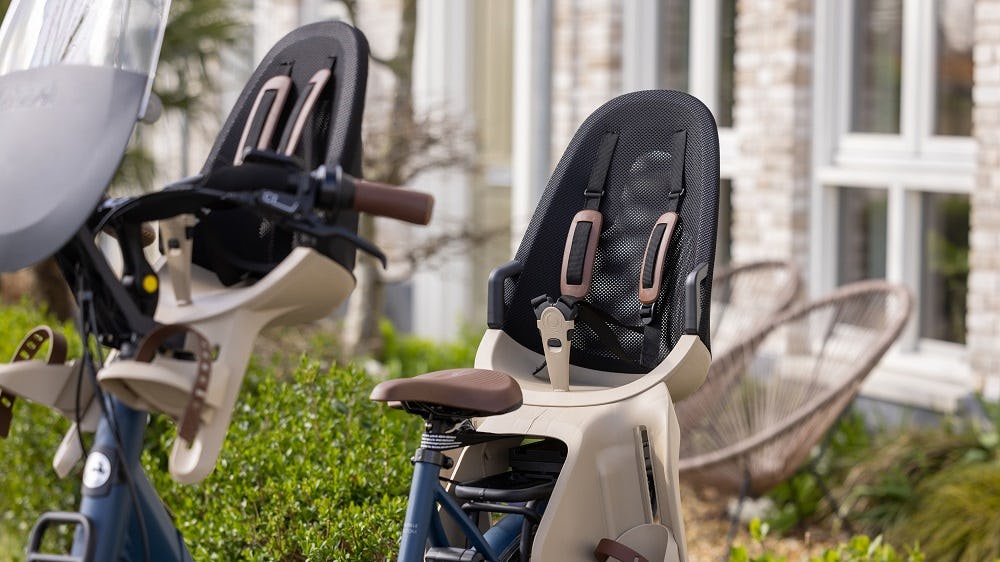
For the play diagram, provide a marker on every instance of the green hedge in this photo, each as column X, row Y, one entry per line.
column 311, row 468
column 408, row 356
column 28, row 485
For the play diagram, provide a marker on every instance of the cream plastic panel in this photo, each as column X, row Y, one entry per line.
column 50, row 385
column 55, row 386
column 602, row 490
column 683, row 371
column 655, row 542
column 306, row 286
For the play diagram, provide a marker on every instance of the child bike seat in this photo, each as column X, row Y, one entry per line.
column 305, row 101
column 228, row 274
column 604, row 340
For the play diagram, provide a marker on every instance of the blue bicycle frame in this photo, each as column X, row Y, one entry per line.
column 423, row 521
column 107, row 526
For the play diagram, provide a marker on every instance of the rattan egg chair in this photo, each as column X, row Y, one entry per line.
column 747, row 295
column 771, row 398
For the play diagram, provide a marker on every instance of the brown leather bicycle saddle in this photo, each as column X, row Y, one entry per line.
column 465, row 392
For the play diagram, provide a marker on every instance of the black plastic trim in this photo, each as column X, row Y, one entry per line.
column 692, row 298
column 495, row 293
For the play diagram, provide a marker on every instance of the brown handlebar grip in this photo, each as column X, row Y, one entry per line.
column 388, row 201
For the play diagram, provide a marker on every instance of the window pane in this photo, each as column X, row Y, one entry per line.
column 953, row 99
column 945, row 267
column 675, row 25
column 727, row 53
column 861, row 236
column 724, row 237
column 878, row 52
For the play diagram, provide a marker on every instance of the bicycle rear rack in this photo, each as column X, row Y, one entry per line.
column 54, row 518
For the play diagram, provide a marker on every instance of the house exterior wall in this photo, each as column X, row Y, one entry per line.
column 984, row 260
column 786, row 152
column 586, row 64
column 772, row 117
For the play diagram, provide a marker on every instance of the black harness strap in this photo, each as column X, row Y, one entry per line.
column 598, row 320
column 654, row 260
column 599, row 173
column 578, row 258
column 585, row 230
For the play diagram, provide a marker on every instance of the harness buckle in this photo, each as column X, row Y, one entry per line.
column 556, row 321
column 646, row 314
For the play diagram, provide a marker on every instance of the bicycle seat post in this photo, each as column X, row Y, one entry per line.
column 428, row 460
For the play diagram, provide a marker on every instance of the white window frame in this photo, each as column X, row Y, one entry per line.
column 640, row 57
column 905, row 165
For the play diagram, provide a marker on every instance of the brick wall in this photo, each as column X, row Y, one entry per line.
column 586, row 63
column 773, row 127
column 983, row 320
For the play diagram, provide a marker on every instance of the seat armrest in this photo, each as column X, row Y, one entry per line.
column 494, row 292
column 692, row 298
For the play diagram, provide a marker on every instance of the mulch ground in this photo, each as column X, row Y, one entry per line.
column 706, row 523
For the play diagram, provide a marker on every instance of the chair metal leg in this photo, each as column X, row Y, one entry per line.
column 734, row 520
column 828, row 496
column 813, row 469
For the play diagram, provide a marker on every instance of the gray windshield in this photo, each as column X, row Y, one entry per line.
column 119, row 34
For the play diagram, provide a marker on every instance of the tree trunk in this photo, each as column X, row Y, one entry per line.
column 361, row 333
column 364, row 310
column 42, row 283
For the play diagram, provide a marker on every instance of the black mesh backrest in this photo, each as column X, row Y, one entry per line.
column 237, row 244
column 635, row 198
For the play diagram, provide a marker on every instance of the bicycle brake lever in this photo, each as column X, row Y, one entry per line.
column 327, row 231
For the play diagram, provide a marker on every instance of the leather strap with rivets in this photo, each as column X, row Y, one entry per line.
column 191, row 418
column 608, row 548
column 27, row 350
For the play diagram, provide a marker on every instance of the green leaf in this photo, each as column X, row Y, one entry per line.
column 859, row 544
column 756, row 531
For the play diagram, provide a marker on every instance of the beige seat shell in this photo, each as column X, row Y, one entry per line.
column 305, row 286
column 604, row 428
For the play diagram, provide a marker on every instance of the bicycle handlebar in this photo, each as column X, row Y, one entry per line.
column 335, row 189
column 390, row 201
column 339, row 189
